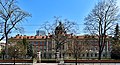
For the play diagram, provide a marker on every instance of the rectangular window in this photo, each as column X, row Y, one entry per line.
column 95, row 54
column 49, row 45
column 104, row 55
column 77, row 42
column 41, row 48
column 32, row 42
column 37, row 49
column 91, row 54
column 69, row 54
column 45, row 47
column 87, row 54
column 40, row 42
column 83, row 55
column 36, row 42
column 62, row 46
column 45, row 43
column 44, row 55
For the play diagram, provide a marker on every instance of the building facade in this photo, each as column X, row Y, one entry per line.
column 86, row 47
column 67, row 45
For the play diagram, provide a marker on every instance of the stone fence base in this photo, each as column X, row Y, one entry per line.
column 16, row 62
column 92, row 64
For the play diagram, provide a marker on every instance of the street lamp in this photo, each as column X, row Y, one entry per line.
column 57, row 54
column 14, row 55
column 88, row 53
column 3, row 53
column 39, row 56
column 53, row 51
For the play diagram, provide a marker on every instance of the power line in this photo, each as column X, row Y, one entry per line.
column 39, row 25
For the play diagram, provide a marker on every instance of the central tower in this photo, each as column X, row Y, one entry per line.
column 60, row 29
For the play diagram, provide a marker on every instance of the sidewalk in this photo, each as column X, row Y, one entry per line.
column 45, row 63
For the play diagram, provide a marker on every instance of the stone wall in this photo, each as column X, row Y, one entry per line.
column 92, row 64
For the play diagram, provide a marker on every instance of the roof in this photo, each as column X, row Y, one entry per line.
column 50, row 36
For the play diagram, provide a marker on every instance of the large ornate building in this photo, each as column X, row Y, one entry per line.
column 68, row 45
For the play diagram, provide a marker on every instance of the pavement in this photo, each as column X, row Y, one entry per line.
column 45, row 64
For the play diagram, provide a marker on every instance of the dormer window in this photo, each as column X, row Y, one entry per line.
column 35, row 37
column 42, row 37
column 27, row 37
column 20, row 37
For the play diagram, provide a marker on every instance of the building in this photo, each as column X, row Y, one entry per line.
column 67, row 45
column 40, row 32
column 2, row 45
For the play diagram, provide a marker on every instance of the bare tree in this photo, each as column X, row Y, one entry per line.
column 77, row 49
column 116, row 33
column 59, row 32
column 116, row 43
column 10, row 16
column 69, row 26
column 101, row 21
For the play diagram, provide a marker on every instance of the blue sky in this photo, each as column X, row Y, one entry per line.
column 45, row 10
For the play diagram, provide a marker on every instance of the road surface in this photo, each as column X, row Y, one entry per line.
column 45, row 64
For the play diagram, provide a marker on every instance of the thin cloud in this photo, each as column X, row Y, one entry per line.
column 118, row 3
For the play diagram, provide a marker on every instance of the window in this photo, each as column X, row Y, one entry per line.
column 95, row 54
column 35, row 37
column 91, row 55
column 44, row 55
column 49, row 45
column 87, row 54
column 96, row 48
column 37, row 49
column 36, row 42
column 40, row 42
column 45, row 47
column 63, row 54
column 83, row 55
column 62, row 46
column 41, row 48
column 32, row 42
column 104, row 55
column 27, row 37
column 69, row 54
column 20, row 37
column 45, row 43
column 77, row 42
column 49, row 42
column 93, row 48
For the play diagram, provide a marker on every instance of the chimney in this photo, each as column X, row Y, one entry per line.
column 17, row 34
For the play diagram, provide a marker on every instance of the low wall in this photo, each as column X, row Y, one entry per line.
column 92, row 62
column 19, row 62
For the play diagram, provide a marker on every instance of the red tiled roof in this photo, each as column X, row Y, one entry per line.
column 49, row 36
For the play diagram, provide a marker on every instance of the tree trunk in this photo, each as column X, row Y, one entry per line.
column 6, row 36
column 76, row 58
column 3, row 56
column 100, row 53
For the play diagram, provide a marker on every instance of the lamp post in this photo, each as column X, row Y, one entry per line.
column 88, row 53
column 3, row 53
column 57, row 56
column 14, row 55
column 39, row 56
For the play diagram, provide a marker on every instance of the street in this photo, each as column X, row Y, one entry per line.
column 45, row 64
